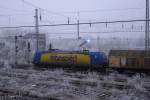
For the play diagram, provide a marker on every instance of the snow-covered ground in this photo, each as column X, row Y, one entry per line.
column 70, row 85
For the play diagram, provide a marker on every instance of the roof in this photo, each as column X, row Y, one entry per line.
column 66, row 52
column 130, row 53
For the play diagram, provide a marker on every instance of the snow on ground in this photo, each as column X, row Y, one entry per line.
column 70, row 85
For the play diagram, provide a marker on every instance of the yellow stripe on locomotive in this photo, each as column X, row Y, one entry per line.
column 61, row 58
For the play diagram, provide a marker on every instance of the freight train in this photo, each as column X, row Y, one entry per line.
column 121, row 59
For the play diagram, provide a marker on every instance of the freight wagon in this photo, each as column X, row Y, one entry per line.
column 129, row 59
column 78, row 59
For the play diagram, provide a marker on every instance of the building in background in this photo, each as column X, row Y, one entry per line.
column 32, row 39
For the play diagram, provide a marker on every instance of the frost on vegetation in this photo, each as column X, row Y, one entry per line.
column 69, row 85
column 136, row 81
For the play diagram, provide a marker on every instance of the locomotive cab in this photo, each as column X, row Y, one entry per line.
column 98, row 59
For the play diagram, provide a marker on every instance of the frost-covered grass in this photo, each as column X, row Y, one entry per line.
column 66, row 85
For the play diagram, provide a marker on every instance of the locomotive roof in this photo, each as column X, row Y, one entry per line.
column 130, row 53
column 66, row 52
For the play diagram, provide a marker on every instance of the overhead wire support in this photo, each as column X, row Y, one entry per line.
column 36, row 21
column 78, row 29
column 85, row 23
column 147, row 40
column 37, row 26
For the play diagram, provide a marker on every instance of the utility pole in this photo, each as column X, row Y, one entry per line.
column 16, row 49
column 37, row 28
column 147, row 40
column 78, row 29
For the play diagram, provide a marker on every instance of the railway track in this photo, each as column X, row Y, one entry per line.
column 59, row 84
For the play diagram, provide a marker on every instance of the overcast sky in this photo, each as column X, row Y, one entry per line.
column 18, row 12
column 88, row 9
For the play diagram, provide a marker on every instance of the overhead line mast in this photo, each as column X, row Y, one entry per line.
column 147, row 38
column 37, row 27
